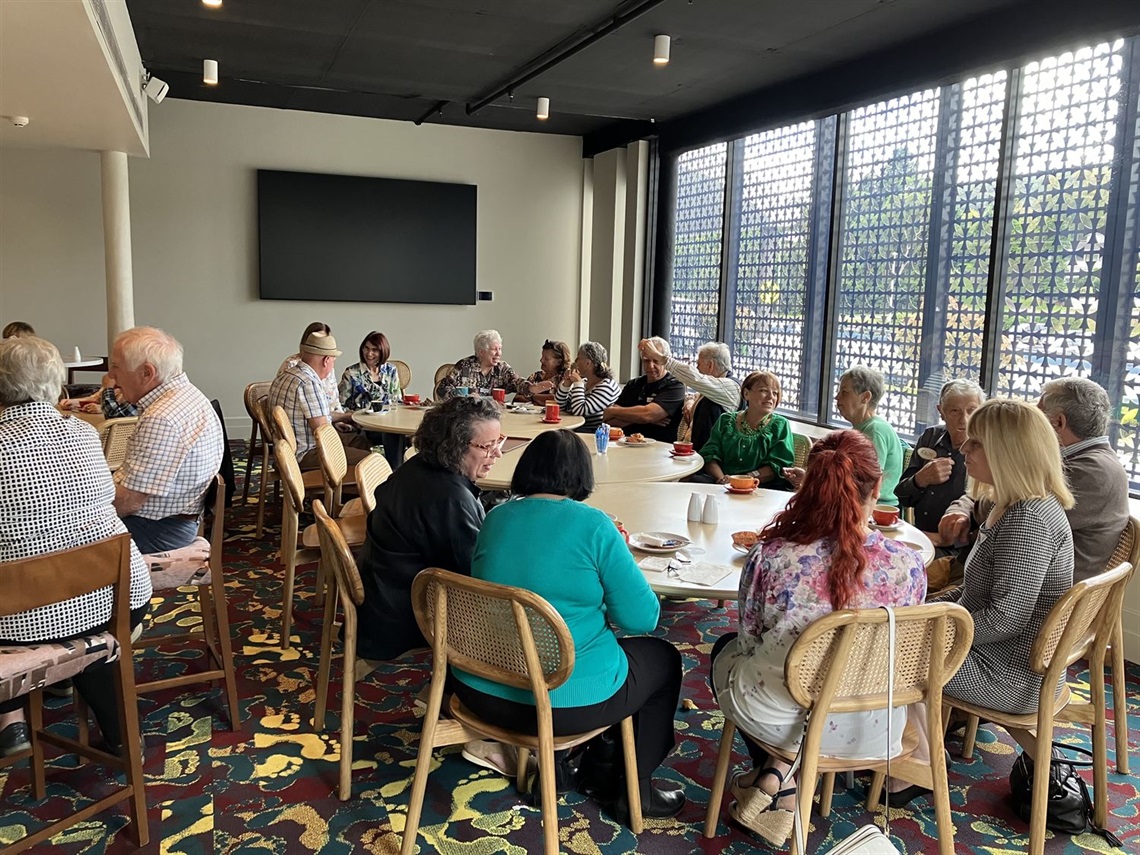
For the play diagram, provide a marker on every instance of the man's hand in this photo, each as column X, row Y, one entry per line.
column 650, row 351
column 344, row 427
column 954, row 529
column 935, row 472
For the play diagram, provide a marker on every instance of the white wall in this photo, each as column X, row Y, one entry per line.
column 194, row 228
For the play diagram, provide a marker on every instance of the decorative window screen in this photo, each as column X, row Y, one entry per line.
column 771, row 282
column 699, row 227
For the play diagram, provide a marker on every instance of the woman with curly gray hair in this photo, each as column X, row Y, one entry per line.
column 427, row 515
column 589, row 386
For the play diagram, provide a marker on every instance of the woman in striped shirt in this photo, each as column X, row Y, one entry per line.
column 588, row 387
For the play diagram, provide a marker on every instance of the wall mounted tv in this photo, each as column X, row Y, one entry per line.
column 375, row 240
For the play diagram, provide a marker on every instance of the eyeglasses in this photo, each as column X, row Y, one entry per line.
column 489, row 448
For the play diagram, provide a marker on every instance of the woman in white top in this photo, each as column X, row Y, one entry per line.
column 588, row 387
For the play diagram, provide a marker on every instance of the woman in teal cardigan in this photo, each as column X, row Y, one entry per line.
column 756, row 441
column 585, row 571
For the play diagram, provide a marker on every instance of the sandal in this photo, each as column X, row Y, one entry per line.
column 772, row 823
column 751, row 799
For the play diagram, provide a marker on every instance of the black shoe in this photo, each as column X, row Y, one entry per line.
column 661, row 803
column 602, row 768
column 906, row 796
column 62, row 689
column 15, row 738
column 567, row 776
column 117, row 748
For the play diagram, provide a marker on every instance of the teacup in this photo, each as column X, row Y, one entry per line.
column 616, row 433
column 379, row 406
column 621, row 530
column 499, row 395
column 411, row 399
column 745, row 539
column 552, row 411
column 885, row 514
column 743, row 482
column 683, row 447
column 462, row 391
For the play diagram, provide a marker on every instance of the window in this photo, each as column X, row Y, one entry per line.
column 986, row 229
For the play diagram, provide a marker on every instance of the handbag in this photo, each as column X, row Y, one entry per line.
column 869, row 839
column 1069, row 808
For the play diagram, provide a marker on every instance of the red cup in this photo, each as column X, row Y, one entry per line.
column 411, row 399
column 885, row 514
column 683, row 447
column 552, row 412
column 499, row 395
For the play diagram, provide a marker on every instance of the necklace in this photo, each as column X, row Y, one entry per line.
column 747, row 429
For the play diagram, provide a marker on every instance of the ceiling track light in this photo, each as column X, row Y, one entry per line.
column 213, row 4
column 210, row 72
column 543, row 111
column 661, row 50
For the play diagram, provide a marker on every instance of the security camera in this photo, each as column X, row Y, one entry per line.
column 20, row 121
column 155, row 89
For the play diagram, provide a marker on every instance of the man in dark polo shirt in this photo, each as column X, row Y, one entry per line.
column 650, row 404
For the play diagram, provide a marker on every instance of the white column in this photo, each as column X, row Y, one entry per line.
column 117, row 243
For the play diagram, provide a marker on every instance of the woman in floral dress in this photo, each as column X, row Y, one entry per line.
column 816, row 556
column 374, row 378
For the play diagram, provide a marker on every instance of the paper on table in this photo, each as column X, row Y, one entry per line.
column 703, row 573
column 654, row 564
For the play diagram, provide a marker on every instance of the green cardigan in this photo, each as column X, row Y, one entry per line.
column 739, row 453
column 573, row 556
column 889, row 448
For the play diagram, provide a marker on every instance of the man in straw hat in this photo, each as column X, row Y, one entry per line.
column 300, row 391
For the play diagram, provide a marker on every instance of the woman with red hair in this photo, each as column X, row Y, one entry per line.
column 818, row 555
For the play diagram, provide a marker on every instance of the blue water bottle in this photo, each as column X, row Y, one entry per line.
column 602, row 438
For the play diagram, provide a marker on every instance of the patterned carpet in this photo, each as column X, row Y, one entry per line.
column 271, row 787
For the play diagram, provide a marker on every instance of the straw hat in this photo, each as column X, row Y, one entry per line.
column 320, row 344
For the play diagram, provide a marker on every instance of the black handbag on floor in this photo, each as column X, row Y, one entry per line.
column 1069, row 808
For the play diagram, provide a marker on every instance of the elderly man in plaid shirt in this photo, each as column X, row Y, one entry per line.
column 299, row 391
column 176, row 449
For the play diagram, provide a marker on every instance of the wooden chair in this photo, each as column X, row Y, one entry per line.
column 254, row 392
column 204, row 570
column 404, row 372
column 371, row 472
column 1127, row 549
column 336, row 556
column 312, row 479
column 801, row 446
column 115, row 435
column 440, row 373
column 334, row 467
column 1080, row 625
column 24, row 670
column 839, row 664
column 516, row 638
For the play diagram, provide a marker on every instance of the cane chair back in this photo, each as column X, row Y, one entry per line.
column 403, row 372
column 215, row 629
column 371, row 472
column 440, row 373
column 35, row 582
column 840, row 664
column 334, row 466
column 261, row 412
column 801, row 445
column 282, row 427
column 1081, row 624
column 337, row 557
column 515, row 638
column 115, row 435
column 254, row 392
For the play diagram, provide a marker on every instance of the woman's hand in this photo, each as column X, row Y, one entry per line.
column 794, row 475
column 541, row 387
column 571, row 377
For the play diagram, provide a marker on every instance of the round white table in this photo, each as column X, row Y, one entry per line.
column 406, row 420
column 620, row 464
column 664, row 507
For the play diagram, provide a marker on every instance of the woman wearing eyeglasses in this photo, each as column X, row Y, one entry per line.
column 588, row 575
column 553, row 364
column 427, row 515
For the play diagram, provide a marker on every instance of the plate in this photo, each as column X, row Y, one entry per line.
column 681, row 542
column 736, row 491
column 741, row 548
column 644, row 442
column 892, row 527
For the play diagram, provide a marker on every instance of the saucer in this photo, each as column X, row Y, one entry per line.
column 895, row 526
column 741, row 548
column 682, row 453
column 551, row 421
column 738, row 491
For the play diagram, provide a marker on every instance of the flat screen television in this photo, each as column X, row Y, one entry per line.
column 374, row 240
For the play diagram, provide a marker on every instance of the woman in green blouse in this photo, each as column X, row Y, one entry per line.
column 756, row 441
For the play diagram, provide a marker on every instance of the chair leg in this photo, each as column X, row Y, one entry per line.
column 632, row 779
column 36, row 724
column 287, row 594
column 1099, row 741
column 971, row 737
column 326, row 665
column 878, row 779
column 1043, row 755
column 520, row 769
column 941, row 789
column 1120, row 699
column 209, row 632
column 347, row 707
column 225, row 646
column 419, row 779
column 826, row 793
column 720, row 774
column 262, row 493
column 249, row 452
column 124, row 679
column 549, row 794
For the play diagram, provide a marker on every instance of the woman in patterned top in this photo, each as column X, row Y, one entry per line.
column 588, row 386
column 374, row 378
column 816, row 556
column 1022, row 561
column 756, row 442
column 483, row 371
column 541, row 384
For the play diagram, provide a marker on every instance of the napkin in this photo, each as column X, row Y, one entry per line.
column 654, row 564
column 703, row 573
column 654, row 540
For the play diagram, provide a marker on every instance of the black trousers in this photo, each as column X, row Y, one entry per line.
column 759, row 755
column 96, row 685
column 649, row 693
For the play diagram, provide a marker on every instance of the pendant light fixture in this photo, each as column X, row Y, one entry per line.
column 543, row 111
column 661, row 50
column 210, row 72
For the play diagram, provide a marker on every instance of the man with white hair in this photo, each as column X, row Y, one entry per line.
column 650, row 404
column 299, row 391
column 718, row 390
column 176, row 449
column 1079, row 410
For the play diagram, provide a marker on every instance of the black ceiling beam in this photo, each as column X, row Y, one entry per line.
column 562, row 52
column 1010, row 35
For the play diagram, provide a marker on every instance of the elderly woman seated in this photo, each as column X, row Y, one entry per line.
column 483, row 371
column 589, row 386
column 554, row 362
column 56, row 493
column 756, row 441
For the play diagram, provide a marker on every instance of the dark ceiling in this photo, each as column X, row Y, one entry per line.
column 398, row 59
